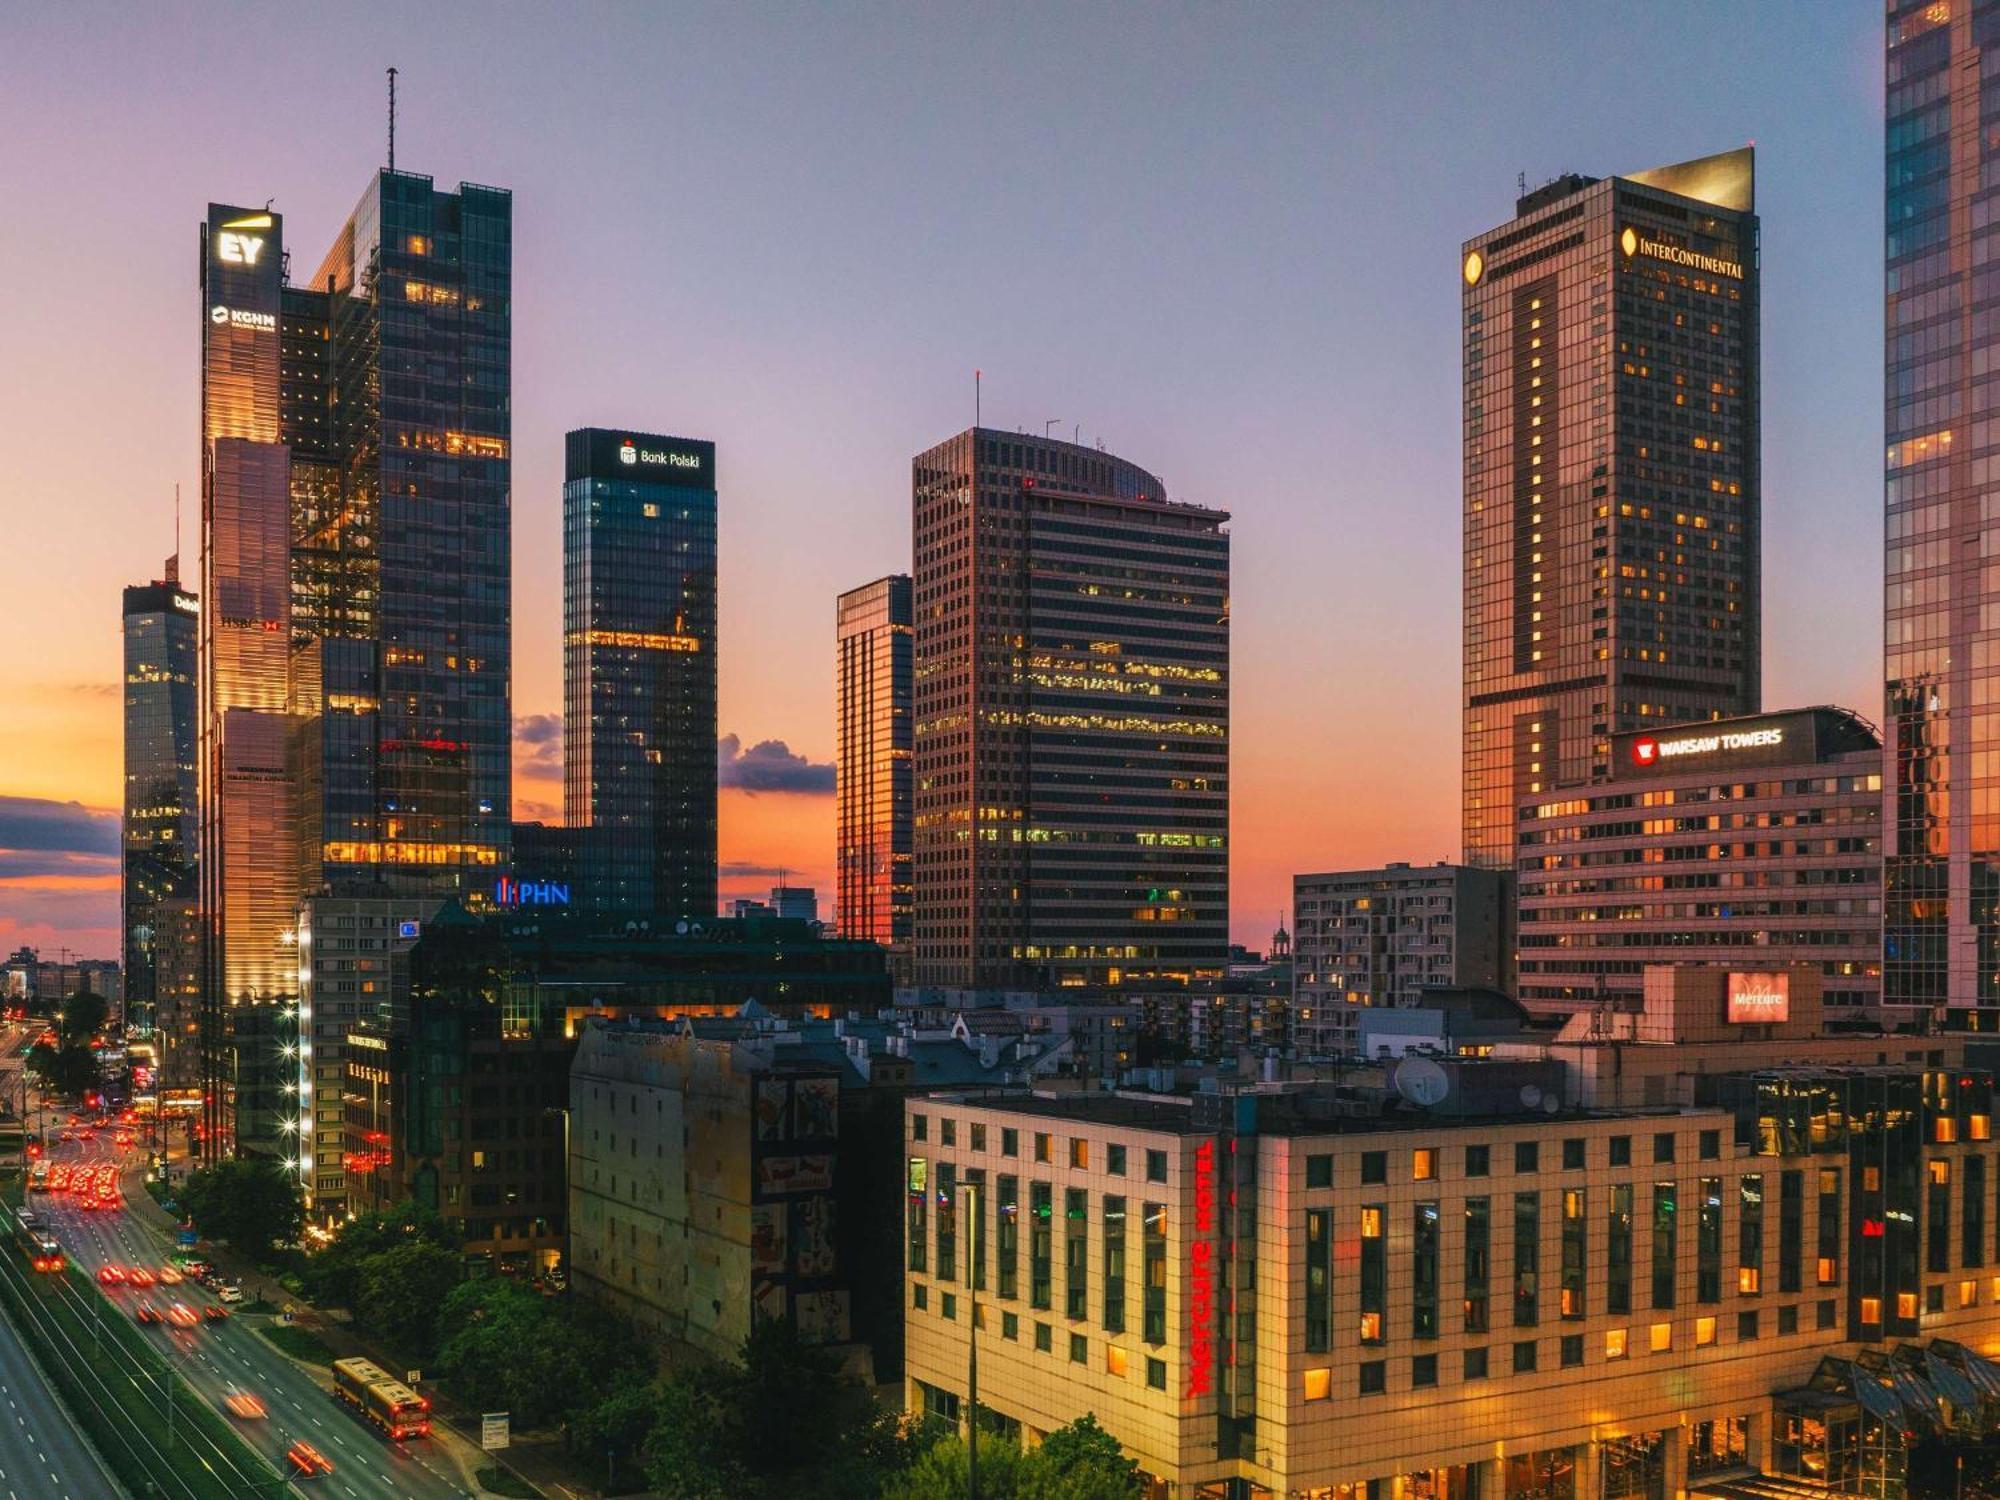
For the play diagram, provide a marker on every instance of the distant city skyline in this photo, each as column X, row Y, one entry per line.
column 1247, row 245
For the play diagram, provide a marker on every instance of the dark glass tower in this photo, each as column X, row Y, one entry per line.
column 639, row 670
column 162, row 633
column 1941, row 617
column 872, row 756
column 1071, row 671
column 1613, row 514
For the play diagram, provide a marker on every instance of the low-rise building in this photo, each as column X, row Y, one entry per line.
column 1786, row 1266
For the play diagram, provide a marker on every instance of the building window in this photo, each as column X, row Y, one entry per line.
column 1475, row 1364
column 1076, row 1254
column 1374, row 1376
column 1010, row 1141
column 947, row 1131
column 919, row 1198
column 1079, row 1153
column 1527, row 1156
column 1788, row 1320
column 1114, row 1160
column 1791, row 1230
column 1663, row 1146
column 950, row 1306
column 1319, row 1171
column 1374, row 1166
column 1317, row 1384
column 1319, row 1279
column 1155, row 1290
column 919, row 1128
column 1527, row 1259
column 1937, row 1214
column 1972, row 1212
column 1572, row 1350
column 1711, row 1145
column 1665, row 1217
column 1573, row 1154
column 1424, row 1272
column 1746, row 1327
column 978, row 1136
column 1829, row 1226
column 1079, row 1349
column 1575, row 1251
column 1708, row 1241
column 920, row 1295
column 1704, row 1330
column 1114, row 1361
column 1045, row 1339
column 1423, row 1164
column 947, row 1221
column 1933, row 1298
column 1823, row 1314
column 1156, row 1166
column 1156, row 1373
column 1042, row 1149
column 1374, row 1274
column 1750, row 1234
column 1007, row 1232
column 1114, row 1264
column 1524, row 1357
column 1615, row 1342
column 1041, row 1245
column 1010, row 1325
column 1660, row 1338
column 1621, row 1151
column 1423, row 1371
column 1968, row 1294
column 1478, row 1263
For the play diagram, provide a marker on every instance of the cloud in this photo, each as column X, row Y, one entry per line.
column 770, row 766
column 743, row 869
column 39, row 823
column 538, row 741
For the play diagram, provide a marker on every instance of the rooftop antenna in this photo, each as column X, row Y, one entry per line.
column 1520, row 181
column 174, row 558
column 392, row 119
column 977, row 375
column 1046, row 426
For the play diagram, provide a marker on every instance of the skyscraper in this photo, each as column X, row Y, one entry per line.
column 159, row 882
column 873, row 727
column 356, row 568
column 1612, row 499
column 1071, row 666
column 639, row 670
column 1941, row 739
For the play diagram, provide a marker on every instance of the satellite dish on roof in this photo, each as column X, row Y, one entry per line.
column 1551, row 1104
column 1531, row 1096
column 1422, row 1081
column 681, row 927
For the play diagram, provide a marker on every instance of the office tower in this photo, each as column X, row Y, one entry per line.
column 1941, row 870
column 1383, row 937
column 1071, row 666
column 1612, row 500
column 162, row 663
column 248, row 824
column 639, row 669
column 873, row 729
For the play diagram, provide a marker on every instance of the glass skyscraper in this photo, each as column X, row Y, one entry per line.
column 873, row 724
column 1941, row 878
column 639, row 683
column 1071, row 666
column 1612, row 502
column 162, row 633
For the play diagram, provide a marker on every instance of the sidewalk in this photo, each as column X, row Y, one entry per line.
column 534, row 1458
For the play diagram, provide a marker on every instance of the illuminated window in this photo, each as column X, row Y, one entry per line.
column 1871, row 1309
column 1114, row 1361
column 1614, row 1343
column 1661, row 1338
column 1979, row 1128
column 1750, row 1280
column 1318, row 1384
column 1371, row 1328
column 1079, row 1152
column 1423, row 1164
column 1704, row 1331
column 1829, row 1270
column 1371, row 1223
column 1968, row 1294
column 1906, row 1304
column 652, row 511
column 1940, row 1171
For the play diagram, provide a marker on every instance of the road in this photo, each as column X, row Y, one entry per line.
column 218, row 1360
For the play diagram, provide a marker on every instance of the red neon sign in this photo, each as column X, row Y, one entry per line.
column 1201, row 1278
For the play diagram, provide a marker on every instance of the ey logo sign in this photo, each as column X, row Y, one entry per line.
column 237, row 248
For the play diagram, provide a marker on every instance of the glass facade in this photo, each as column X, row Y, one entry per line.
column 162, row 631
column 639, row 515
column 1071, row 700
column 1941, row 877
column 1611, row 453
column 873, row 758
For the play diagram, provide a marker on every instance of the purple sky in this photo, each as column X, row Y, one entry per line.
column 1223, row 239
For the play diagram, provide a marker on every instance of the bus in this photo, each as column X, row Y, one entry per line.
column 38, row 1246
column 386, row 1402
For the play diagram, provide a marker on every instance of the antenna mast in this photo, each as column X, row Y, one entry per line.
column 392, row 119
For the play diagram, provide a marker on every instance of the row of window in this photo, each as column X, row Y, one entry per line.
column 1077, row 1149
column 1477, row 1160
column 1116, row 1360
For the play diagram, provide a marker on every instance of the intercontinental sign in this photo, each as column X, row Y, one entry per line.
column 1633, row 243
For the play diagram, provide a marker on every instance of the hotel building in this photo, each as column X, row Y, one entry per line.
column 1941, row 878
column 1732, row 841
column 1784, row 1270
column 874, row 634
column 1383, row 937
column 1612, row 501
column 159, row 881
column 1071, row 672
column 639, row 674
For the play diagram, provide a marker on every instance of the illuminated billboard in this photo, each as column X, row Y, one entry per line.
column 1759, row 999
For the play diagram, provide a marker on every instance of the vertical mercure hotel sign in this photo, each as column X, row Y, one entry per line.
column 1201, row 1278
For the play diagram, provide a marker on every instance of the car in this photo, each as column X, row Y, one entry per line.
column 230, row 1293
column 141, row 1277
column 181, row 1315
column 110, row 1275
column 308, row 1460
column 145, row 1312
column 243, row 1404
column 169, row 1276
column 214, row 1312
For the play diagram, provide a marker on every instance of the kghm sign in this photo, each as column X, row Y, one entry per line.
column 1201, row 1277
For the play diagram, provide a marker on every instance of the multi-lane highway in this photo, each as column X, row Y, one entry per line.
column 219, row 1360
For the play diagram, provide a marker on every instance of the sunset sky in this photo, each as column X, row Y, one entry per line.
column 1222, row 239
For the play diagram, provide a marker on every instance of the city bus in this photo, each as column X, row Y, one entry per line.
column 38, row 1246
column 386, row 1402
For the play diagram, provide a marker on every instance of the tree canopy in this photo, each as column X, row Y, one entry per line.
column 247, row 1203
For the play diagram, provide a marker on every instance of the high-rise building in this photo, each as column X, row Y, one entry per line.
column 162, row 664
column 249, row 868
column 639, row 602
column 1941, row 739
column 356, row 725
column 1612, row 500
column 873, row 727
column 1071, row 666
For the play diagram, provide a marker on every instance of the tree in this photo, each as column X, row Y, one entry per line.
column 68, row 1071
column 83, row 1016
column 401, row 1291
column 1082, row 1461
column 505, row 1347
column 939, row 1472
column 609, row 1433
column 333, row 1276
column 248, row 1203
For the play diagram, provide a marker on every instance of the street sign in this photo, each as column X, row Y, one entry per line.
column 493, row 1430
column 413, row 1377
